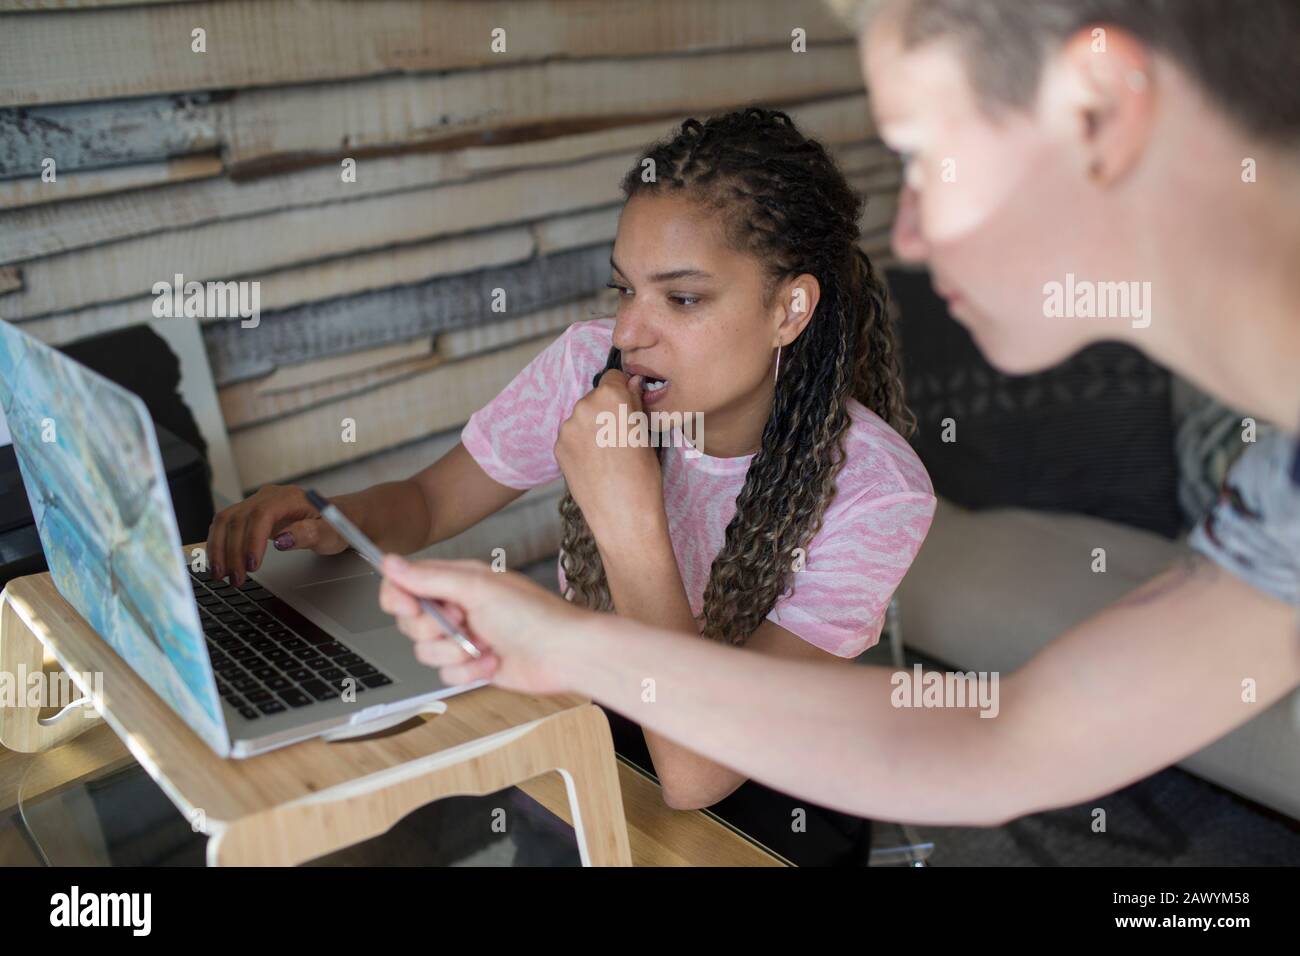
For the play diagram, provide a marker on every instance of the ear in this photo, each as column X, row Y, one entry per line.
column 796, row 299
column 1098, row 95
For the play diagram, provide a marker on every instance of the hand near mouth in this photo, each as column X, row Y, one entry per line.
column 614, row 478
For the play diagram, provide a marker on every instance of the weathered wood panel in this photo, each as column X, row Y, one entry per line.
column 292, row 377
column 303, row 124
column 414, row 263
column 35, row 232
column 879, row 214
column 391, row 415
column 11, row 6
column 222, row 250
column 25, row 193
column 477, row 339
column 320, row 280
column 335, row 119
column 246, row 249
column 91, row 135
column 396, row 315
column 53, row 57
column 297, row 387
column 243, row 407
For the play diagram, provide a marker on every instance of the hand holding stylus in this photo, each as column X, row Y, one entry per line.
column 527, row 633
column 368, row 550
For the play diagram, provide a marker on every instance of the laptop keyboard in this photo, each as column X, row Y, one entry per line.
column 267, row 657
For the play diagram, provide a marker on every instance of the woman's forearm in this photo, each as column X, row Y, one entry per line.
column 800, row 727
column 452, row 494
column 1132, row 689
column 646, row 585
column 394, row 514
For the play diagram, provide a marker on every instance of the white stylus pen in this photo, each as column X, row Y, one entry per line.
column 367, row 549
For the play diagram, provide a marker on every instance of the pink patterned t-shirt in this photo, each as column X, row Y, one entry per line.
column 870, row 534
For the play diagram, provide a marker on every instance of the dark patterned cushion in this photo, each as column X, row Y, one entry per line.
column 1092, row 436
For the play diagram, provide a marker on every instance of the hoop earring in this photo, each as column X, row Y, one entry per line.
column 777, row 376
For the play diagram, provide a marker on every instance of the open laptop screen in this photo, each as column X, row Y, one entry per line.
column 95, row 480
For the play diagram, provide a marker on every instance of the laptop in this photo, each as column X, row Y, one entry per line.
column 300, row 650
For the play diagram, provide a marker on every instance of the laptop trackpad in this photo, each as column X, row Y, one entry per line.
column 353, row 602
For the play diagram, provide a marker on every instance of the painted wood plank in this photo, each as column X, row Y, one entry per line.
column 563, row 232
column 242, row 249
column 391, row 415
column 863, row 157
column 485, row 337
column 30, row 192
column 243, row 406
column 13, row 6
column 11, row 279
column 32, row 233
column 883, row 180
column 291, row 377
column 35, row 232
column 92, row 135
column 52, row 57
column 307, row 124
column 834, row 119
column 395, row 315
column 879, row 214
column 223, row 250
column 330, row 119
column 408, row 311
column 317, row 281
column 302, row 124
column 296, row 387
column 378, row 270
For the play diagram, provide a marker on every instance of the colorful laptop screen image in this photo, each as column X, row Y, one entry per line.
column 89, row 459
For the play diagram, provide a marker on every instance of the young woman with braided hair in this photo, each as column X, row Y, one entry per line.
column 784, row 524
column 791, row 532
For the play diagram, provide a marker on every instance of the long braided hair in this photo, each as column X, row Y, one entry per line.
column 783, row 200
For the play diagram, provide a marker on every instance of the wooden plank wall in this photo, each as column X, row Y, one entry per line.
column 478, row 167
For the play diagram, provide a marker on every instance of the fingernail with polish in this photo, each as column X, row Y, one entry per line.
column 251, row 562
column 284, row 540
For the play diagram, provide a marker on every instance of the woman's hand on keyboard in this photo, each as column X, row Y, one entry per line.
column 240, row 534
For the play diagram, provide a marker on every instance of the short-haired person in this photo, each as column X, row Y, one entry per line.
column 1103, row 138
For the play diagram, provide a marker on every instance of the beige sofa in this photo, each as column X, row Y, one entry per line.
column 990, row 588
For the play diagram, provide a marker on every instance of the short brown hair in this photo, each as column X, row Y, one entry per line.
column 1244, row 55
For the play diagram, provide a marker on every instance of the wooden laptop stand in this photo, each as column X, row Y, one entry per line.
column 314, row 797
